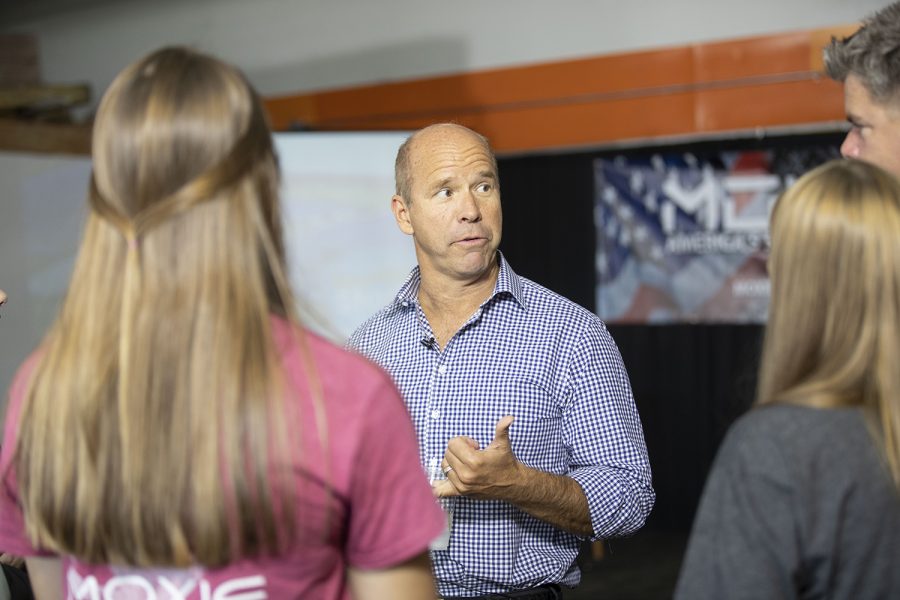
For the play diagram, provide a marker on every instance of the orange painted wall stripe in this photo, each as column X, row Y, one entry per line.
column 768, row 81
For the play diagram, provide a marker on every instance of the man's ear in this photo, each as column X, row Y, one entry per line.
column 401, row 214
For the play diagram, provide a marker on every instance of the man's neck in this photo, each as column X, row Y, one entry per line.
column 448, row 303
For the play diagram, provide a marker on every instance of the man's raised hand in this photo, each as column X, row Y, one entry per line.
column 486, row 474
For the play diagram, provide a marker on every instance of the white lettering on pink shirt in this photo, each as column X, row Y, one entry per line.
column 160, row 585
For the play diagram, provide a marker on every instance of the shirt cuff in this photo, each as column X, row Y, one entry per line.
column 618, row 504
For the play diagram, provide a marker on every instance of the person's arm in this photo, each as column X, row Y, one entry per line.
column 46, row 579
column 495, row 474
column 607, row 490
column 411, row 580
column 604, row 437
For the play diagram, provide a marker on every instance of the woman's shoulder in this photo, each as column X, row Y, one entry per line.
column 796, row 440
column 292, row 337
column 795, row 423
column 337, row 369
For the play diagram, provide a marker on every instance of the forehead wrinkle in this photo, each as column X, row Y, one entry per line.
column 861, row 107
column 452, row 159
column 439, row 176
column 453, row 152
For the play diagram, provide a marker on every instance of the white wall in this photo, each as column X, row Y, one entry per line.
column 302, row 45
column 42, row 210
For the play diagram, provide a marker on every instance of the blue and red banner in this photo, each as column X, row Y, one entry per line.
column 683, row 238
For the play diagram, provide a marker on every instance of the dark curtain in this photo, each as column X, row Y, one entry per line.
column 690, row 382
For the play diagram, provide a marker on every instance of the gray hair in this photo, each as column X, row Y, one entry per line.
column 403, row 170
column 872, row 54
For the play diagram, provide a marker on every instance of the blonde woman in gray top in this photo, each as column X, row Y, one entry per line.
column 803, row 500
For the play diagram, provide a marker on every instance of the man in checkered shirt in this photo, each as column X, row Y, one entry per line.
column 523, row 409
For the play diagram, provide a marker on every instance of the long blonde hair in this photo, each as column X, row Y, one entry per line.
column 152, row 430
column 833, row 337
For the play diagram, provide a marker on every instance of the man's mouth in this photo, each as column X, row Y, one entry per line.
column 470, row 240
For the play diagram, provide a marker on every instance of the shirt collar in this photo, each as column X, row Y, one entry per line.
column 508, row 282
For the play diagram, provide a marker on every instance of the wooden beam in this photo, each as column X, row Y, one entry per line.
column 27, row 136
column 35, row 96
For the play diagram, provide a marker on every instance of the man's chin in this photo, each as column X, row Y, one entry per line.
column 475, row 265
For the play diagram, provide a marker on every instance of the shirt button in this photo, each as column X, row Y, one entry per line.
column 405, row 304
column 435, row 414
column 442, row 369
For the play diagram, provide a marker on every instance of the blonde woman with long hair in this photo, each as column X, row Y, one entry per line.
column 803, row 500
column 178, row 434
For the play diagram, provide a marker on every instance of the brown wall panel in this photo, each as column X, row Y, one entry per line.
column 555, row 83
column 817, row 100
column 586, row 124
column 689, row 90
column 752, row 58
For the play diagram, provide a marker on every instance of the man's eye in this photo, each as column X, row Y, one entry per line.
column 484, row 187
column 444, row 193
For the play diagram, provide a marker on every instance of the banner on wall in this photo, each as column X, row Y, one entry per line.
column 684, row 238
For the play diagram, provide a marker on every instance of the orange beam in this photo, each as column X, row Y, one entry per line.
column 740, row 84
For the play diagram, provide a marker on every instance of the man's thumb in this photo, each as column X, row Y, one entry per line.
column 501, row 431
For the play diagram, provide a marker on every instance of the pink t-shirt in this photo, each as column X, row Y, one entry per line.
column 381, row 511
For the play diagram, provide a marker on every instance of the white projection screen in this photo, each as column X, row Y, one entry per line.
column 346, row 255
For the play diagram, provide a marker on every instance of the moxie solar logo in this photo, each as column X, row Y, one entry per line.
column 163, row 585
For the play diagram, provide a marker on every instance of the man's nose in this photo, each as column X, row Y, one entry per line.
column 850, row 147
column 469, row 209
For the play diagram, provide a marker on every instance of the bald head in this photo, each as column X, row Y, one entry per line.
column 424, row 137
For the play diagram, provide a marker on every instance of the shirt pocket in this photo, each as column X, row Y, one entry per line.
column 536, row 433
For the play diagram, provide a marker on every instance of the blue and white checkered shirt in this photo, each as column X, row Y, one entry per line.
column 533, row 354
